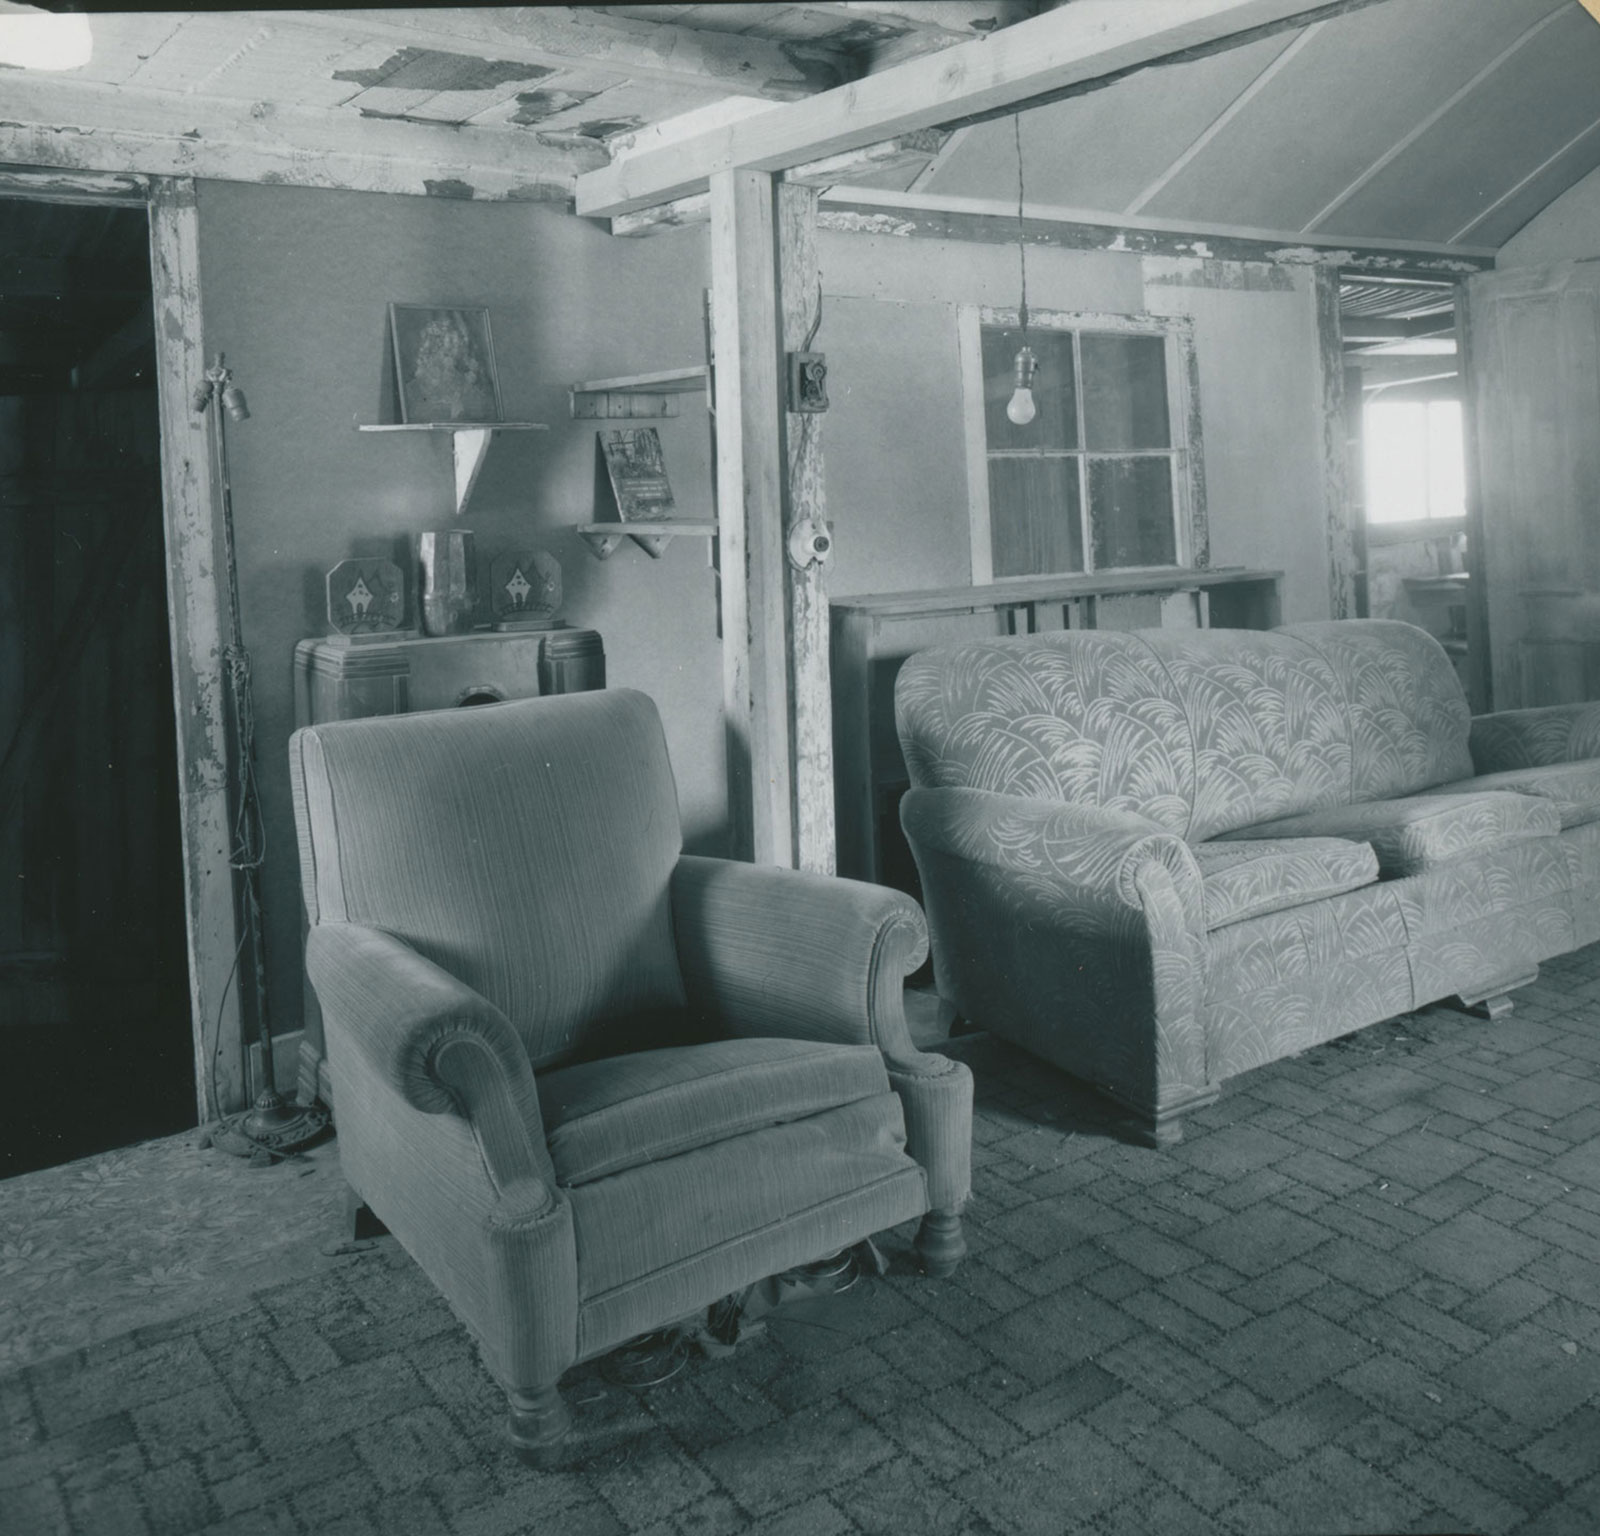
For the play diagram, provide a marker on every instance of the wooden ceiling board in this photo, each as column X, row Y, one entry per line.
column 1577, row 158
column 1364, row 82
column 121, row 41
column 609, row 106
column 1542, row 96
column 1102, row 149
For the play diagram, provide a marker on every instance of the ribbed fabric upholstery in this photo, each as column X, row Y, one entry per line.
column 678, row 1290
column 1246, row 878
column 526, row 848
column 660, row 1214
column 820, row 982
column 1414, row 833
column 493, row 890
column 606, row 1116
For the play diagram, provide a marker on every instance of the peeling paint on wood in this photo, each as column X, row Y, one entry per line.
column 1196, row 272
column 195, row 609
column 889, row 216
column 608, row 127
column 535, row 106
column 1335, row 452
column 804, row 499
column 427, row 69
column 855, row 221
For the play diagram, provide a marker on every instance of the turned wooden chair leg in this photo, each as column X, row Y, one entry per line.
column 538, row 1424
column 940, row 1242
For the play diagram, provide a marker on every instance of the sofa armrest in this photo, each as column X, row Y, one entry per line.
column 1080, row 858
column 1535, row 738
column 442, row 1046
column 770, row 951
column 1074, row 932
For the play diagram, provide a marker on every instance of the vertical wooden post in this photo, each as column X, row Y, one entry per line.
column 750, row 480
column 810, row 697
column 195, row 608
column 1335, row 449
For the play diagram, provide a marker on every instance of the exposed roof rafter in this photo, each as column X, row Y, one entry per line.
column 1068, row 49
column 1396, row 150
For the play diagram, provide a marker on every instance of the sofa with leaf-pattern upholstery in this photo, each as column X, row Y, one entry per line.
column 1159, row 858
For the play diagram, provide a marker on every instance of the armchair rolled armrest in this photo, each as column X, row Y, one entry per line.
column 769, row 951
column 442, row 1046
column 1535, row 738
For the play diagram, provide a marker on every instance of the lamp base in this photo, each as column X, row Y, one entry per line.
column 271, row 1128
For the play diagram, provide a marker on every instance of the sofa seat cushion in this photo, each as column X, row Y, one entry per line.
column 1573, row 787
column 1416, row 832
column 602, row 1117
column 1242, row 878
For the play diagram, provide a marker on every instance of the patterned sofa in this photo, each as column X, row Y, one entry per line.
column 1158, row 858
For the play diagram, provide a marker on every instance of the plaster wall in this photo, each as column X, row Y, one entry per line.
column 295, row 283
column 895, row 440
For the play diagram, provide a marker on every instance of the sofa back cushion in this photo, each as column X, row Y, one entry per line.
column 526, row 848
column 1409, row 719
column 1266, row 719
column 1089, row 716
column 1203, row 731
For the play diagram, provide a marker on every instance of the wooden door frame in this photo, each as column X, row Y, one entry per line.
column 195, row 606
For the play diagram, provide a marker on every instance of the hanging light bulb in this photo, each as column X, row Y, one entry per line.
column 1022, row 409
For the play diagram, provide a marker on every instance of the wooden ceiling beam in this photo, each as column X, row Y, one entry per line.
column 562, row 37
column 1035, row 59
column 51, row 121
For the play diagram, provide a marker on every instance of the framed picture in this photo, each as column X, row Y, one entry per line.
column 444, row 364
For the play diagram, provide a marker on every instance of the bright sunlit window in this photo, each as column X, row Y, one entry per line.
column 1414, row 461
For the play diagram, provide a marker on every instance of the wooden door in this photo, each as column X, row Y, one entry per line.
column 1533, row 375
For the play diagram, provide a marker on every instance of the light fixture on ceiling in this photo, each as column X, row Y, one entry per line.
column 45, row 40
column 1021, row 409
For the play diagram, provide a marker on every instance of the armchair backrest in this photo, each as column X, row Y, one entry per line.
column 527, row 848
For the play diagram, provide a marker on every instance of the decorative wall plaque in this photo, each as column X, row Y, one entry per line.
column 365, row 597
column 635, row 479
column 525, row 589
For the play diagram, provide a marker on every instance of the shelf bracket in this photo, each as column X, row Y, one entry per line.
column 471, row 448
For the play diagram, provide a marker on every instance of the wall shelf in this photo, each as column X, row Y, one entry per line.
column 470, row 445
column 637, row 396
column 652, row 538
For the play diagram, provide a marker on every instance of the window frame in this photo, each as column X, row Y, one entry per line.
column 1191, row 535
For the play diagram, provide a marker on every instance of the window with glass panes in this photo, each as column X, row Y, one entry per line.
column 1096, row 481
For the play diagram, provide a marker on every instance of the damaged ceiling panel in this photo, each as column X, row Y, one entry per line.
column 1439, row 121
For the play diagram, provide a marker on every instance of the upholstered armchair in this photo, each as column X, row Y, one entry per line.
column 592, row 1084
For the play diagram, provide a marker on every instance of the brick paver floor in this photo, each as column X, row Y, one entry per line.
column 1363, row 1295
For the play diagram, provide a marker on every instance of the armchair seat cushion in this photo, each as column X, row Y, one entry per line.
column 1416, row 832
column 1249, row 877
column 604, row 1117
column 1573, row 787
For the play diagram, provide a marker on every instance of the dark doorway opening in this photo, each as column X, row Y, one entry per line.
column 94, row 990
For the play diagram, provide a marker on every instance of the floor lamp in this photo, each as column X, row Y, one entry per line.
column 272, row 1126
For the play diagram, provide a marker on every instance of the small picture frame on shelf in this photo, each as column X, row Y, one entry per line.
column 444, row 364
